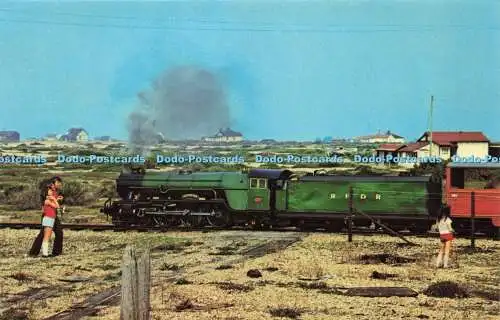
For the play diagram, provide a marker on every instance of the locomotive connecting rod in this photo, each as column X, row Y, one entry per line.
column 181, row 213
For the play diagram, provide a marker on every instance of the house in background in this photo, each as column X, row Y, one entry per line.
column 51, row 137
column 388, row 149
column 445, row 144
column 75, row 135
column 224, row 135
column 388, row 137
column 10, row 136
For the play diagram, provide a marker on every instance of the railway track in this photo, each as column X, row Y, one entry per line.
column 68, row 226
column 110, row 227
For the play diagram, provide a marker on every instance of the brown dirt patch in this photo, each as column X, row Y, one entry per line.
column 381, row 275
column 313, row 285
column 14, row 315
column 447, row 289
column 182, row 281
column 385, row 258
column 21, row 276
column 187, row 305
column 234, row 287
column 285, row 312
column 224, row 267
column 270, row 269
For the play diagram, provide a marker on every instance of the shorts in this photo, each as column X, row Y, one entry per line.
column 447, row 237
column 48, row 222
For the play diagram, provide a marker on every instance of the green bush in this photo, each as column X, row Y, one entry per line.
column 107, row 168
column 77, row 193
column 74, row 166
column 8, row 190
column 435, row 170
column 307, row 165
column 24, row 197
column 107, row 189
column 10, row 172
column 196, row 167
column 369, row 171
column 27, row 197
column 113, row 147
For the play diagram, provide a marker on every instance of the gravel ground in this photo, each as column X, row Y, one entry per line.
column 213, row 286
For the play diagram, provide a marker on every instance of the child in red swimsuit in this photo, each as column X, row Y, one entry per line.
column 446, row 235
column 50, row 207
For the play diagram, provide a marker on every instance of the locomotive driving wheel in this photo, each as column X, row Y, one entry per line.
column 164, row 221
column 217, row 219
column 196, row 221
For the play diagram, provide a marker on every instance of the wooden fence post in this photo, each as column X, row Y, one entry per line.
column 129, row 299
column 136, row 279
column 144, row 285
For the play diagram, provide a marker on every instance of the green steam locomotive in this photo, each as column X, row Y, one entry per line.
column 271, row 197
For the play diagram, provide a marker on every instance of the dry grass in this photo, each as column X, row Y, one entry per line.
column 204, row 290
column 96, row 256
column 330, row 257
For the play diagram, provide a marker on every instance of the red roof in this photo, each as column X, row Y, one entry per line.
column 452, row 137
column 414, row 146
column 390, row 146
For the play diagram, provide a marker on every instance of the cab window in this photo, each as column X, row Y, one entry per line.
column 253, row 183
column 258, row 183
column 262, row 183
column 458, row 178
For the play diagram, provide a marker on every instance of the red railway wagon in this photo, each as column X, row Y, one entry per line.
column 482, row 201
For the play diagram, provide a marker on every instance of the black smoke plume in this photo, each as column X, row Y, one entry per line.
column 183, row 103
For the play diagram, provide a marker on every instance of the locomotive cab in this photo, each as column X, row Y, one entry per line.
column 472, row 189
column 258, row 194
column 267, row 189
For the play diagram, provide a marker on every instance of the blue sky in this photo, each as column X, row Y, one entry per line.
column 290, row 70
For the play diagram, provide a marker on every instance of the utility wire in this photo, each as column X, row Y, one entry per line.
column 198, row 28
column 251, row 27
column 220, row 21
column 206, row 28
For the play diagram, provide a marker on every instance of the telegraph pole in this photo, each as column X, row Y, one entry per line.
column 430, row 125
